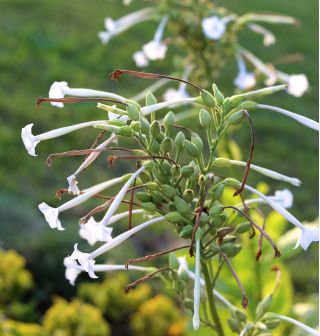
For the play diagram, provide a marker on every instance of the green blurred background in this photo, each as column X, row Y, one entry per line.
column 45, row 41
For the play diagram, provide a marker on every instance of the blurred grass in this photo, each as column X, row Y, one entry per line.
column 45, row 41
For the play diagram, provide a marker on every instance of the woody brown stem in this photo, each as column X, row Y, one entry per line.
column 247, row 168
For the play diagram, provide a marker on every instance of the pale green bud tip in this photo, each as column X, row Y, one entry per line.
column 207, row 98
column 221, row 162
column 231, row 182
column 173, row 217
column 205, row 118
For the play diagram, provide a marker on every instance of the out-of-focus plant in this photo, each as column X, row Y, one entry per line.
column 180, row 182
column 74, row 318
column 207, row 36
column 158, row 316
column 15, row 283
column 112, row 300
column 15, row 328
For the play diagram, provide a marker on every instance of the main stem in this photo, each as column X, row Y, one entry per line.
column 213, row 309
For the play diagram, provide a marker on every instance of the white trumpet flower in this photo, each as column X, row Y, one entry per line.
column 73, row 269
column 268, row 172
column 244, row 80
column 125, row 214
column 61, row 89
column 268, row 37
column 95, row 232
column 116, row 27
column 297, row 84
column 308, row 235
column 155, row 49
column 51, row 214
column 283, row 197
column 87, row 261
column 196, row 289
column 72, row 179
column 156, row 107
column 298, row 324
column 30, row 141
column 299, row 118
column 214, row 27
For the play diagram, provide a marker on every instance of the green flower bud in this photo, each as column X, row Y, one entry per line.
column 169, row 120
column 136, row 125
column 188, row 304
column 216, row 209
column 234, row 325
column 180, row 286
column 231, row 182
column 236, row 118
column 173, row 261
column 243, row 227
column 150, row 99
column 219, row 220
column 186, row 231
column 269, row 316
column 179, row 139
column 230, row 249
column 168, row 190
column 175, row 170
column 133, row 112
column 188, row 195
column 145, row 126
column 161, row 177
column 205, row 118
column 166, row 145
column 240, row 315
column 248, row 105
column 263, row 306
column 229, row 239
column 152, row 186
column 261, row 326
column 149, row 206
column 197, row 141
column 160, row 137
column 144, row 177
column 218, row 191
column 156, row 197
column 155, row 147
column 221, row 162
column 149, row 165
column 116, row 122
column 173, row 217
column 126, row 131
column 181, row 205
column 187, row 171
column 214, row 249
column 191, row 149
column 207, row 98
column 143, row 196
column 272, row 324
column 218, row 95
column 155, row 128
column 227, row 106
column 172, row 206
column 201, row 180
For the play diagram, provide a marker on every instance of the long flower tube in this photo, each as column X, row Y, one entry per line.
column 299, row 118
column 298, row 324
column 244, row 80
column 308, row 235
column 265, row 171
column 73, row 269
column 196, row 289
column 116, row 27
column 184, row 268
column 30, row 141
column 87, row 261
column 72, row 179
column 51, row 214
column 61, row 89
column 268, row 37
column 156, row 107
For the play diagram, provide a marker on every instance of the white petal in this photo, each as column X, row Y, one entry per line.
column 51, row 215
column 297, row 85
column 155, row 50
column 85, row 261
column 284, row 198
column 72, row 270
column 104, row 37
column 245, row 80
column 213, row 27
column 29, row 140
column 110, row 24
column 140, row 59
column 57, row 90
column 95, row 231
column 73, row 188
column 307, row 236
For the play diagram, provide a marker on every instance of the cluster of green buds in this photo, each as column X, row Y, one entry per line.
column 179, row 182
